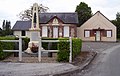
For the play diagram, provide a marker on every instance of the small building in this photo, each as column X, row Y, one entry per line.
column 97, row 28
column 52, row 25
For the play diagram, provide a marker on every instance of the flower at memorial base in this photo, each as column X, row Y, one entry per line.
column 34, row 48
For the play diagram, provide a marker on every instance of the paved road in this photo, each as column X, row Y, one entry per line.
column 97, row 46
column 107, row 63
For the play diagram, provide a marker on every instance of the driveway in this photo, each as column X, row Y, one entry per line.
column 97, row 46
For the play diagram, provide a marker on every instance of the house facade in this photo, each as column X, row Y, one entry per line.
column 55, row 25
column 52, row 25
column 97, row 28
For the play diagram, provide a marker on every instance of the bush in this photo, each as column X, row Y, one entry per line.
column 49, row 45
column 64, row 47
column 25, row 42
column 6, row 46
column 118, row 36
column 76, row 46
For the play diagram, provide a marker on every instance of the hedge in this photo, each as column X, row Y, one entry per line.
column 6, row 46
column 49, row 45
column 25, row 42
column 63, row 47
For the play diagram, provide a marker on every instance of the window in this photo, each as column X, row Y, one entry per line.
column 87, row 34
column 66, row 31
column 23, row 33
column 44, row 31
column 109, row 33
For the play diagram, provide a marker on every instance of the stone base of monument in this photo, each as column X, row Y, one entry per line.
column 33, row 47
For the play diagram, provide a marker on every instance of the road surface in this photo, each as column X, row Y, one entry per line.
column 106, row 64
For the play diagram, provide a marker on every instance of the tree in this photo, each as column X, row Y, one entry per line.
column 6, row 28
column 84, row 12
column 0, row 32
column 116, row 22
column 27, row 14
column 3, row 26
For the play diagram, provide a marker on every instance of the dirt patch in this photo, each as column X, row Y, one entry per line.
column 83, row 57
column 79, row 60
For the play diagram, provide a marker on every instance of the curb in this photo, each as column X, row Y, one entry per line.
column 73, row 72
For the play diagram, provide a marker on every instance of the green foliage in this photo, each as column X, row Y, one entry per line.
column 6, row 46
column 49, row 45
column 84, row 13
column 64, row 47
column 6, row 28
column 25, row 43
column 116, row 22
column 76, row 46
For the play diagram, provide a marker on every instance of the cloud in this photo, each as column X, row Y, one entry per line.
column 9, row 9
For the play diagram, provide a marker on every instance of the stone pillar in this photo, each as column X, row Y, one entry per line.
column 35, row 17
column 35, row 29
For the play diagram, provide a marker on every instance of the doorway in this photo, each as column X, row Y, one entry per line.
column 97, row 36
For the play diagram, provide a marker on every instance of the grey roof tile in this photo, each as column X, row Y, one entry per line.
column 22, row 25
column 67, row 18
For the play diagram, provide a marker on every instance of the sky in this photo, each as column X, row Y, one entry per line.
column 10, row 9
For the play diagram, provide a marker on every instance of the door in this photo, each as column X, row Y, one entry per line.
column 55, row 32
column 97, row 35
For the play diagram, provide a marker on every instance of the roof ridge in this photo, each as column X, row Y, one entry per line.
column 57, row 12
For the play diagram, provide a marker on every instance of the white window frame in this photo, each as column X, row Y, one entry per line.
column 55, row 32
column 44, row 31
column 66, row 31
column 87, row 33
column 109, row 33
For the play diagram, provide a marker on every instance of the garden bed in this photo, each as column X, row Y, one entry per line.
column 79, row 60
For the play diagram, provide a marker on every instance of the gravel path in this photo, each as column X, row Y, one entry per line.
column 33, row 69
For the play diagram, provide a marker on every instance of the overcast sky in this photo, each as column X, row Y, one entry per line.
column 9, row 9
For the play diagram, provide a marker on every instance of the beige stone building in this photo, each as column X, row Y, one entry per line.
column 97, row 28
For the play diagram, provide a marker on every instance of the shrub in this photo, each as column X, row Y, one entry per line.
column 49, row 45
column 76, row 46
column 63, row 47
column 25, row 42
column 6, row 46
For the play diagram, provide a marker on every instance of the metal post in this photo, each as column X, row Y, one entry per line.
column 70, row 57
column 20, row 49
column 39, row 50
